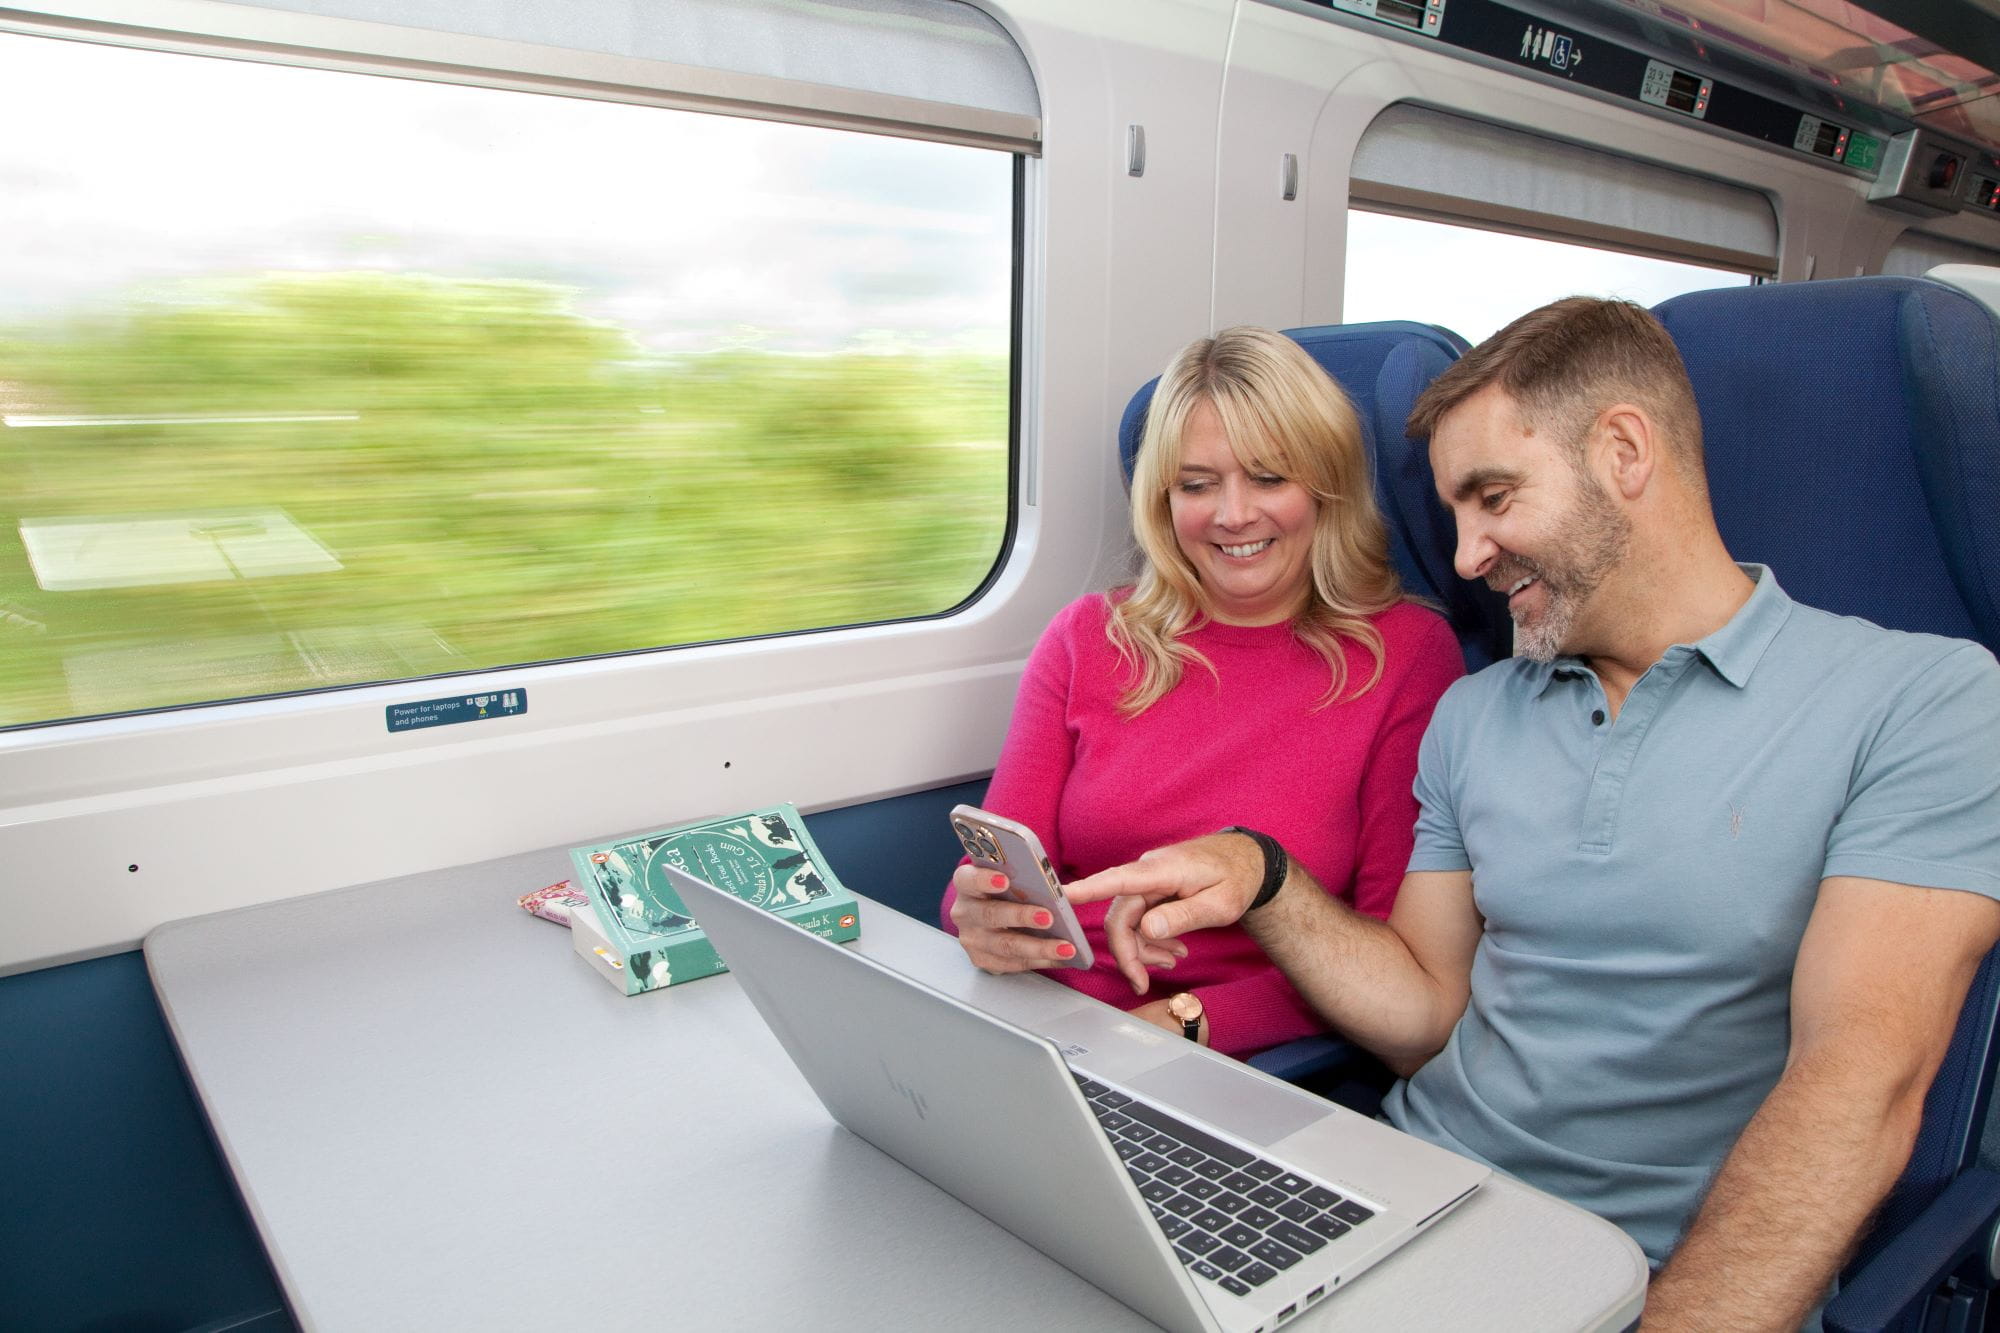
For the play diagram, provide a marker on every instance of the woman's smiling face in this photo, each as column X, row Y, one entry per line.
column 1248, row 533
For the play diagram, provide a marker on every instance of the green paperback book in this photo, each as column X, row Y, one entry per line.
column 765, row 857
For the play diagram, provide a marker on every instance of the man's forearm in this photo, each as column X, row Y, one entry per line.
column 1789, row 1204
column 1357, row 973
column 1395, row 987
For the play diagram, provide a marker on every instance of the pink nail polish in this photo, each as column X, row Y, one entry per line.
column 1065, row 951
column 1042, row 920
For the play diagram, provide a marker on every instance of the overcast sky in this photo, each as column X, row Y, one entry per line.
column 691, row 231
column 1473, row 282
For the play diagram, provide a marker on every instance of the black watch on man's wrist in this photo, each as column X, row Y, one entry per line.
column 1276, row 865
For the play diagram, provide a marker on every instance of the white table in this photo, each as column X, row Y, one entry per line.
column 440, row 1118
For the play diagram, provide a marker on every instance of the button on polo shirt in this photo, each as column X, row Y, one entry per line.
column 1645, row 881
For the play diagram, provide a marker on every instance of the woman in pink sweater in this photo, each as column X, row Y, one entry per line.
column 1265, row 669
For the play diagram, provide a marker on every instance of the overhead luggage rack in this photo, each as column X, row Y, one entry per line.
column 1676, row 61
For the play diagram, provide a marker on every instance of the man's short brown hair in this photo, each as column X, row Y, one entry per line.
column 1565, row 363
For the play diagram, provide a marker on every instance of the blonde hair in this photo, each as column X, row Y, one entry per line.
column 1282, row 414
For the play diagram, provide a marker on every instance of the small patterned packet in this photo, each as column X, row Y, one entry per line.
column 556, row 902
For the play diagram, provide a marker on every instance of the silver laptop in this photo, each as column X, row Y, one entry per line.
column 1195, row 1190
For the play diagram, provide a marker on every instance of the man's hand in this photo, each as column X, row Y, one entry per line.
column 1396, row 987
column 993, row 928
column 1168, row 892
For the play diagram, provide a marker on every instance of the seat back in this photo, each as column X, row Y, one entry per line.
column 1852, row 430
column 1383, row 367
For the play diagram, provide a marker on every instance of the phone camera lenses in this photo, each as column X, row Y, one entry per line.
column 977, row 842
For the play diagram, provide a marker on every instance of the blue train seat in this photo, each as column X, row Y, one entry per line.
column 1852, row 430
column 1382, row 367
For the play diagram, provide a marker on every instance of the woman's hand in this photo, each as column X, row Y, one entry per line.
column 993, row 928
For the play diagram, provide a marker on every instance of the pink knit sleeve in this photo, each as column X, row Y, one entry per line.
column 1036, row 757
column 1388, row 805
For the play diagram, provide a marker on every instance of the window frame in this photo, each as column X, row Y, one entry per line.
column 312, row 41
column 112, row 826
column 1522, row 155
column 317, row 41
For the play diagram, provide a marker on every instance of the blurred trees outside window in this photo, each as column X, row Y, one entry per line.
column 332, row 446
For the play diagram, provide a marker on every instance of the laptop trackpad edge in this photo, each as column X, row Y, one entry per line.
column 1249, row 1108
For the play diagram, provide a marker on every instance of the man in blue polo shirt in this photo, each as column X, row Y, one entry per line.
column 1701, row 875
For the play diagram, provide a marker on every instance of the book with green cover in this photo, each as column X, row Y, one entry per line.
column 764, row 857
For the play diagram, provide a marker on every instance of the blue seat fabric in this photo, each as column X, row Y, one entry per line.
column 1383, row 367
column 1851, row 443
column 1852, row 430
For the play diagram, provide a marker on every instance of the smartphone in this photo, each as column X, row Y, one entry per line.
column 997, row 843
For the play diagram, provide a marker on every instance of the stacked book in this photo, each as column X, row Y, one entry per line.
column 638, row 933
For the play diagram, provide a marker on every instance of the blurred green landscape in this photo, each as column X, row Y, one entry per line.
column 497, row 479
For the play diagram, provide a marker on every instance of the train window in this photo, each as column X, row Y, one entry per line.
column 1473, row 281
column 1548, row 218
column 1915, row 253
column 313, row 378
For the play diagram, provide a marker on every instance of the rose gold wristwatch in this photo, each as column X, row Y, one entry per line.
column 1187, row 1008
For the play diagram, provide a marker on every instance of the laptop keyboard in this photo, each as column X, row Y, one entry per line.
column 1234, row 1218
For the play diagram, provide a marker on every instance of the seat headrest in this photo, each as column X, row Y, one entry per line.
column 1852, row 432
column 1979, row 281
